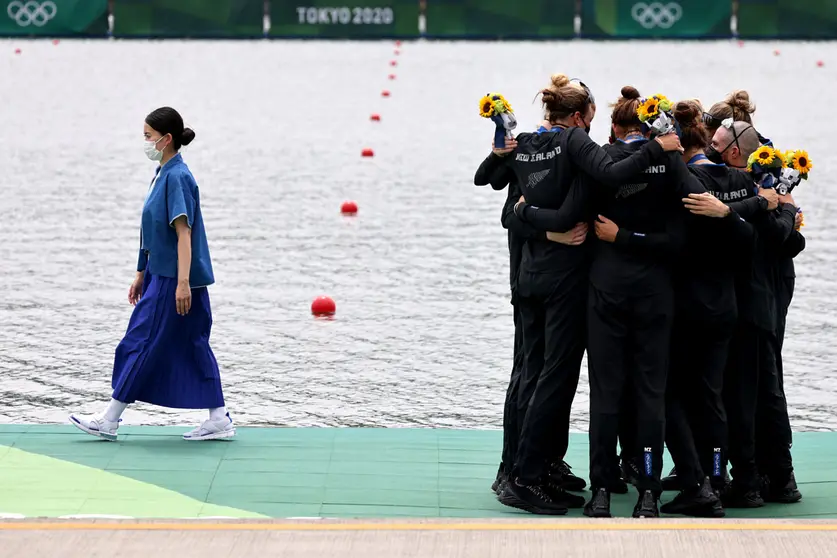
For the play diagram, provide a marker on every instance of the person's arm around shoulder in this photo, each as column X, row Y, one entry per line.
column 594, row 160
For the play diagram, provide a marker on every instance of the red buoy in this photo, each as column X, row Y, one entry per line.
column 348, row 208
column 323, row 306
column 375, row 118
column 55, row 41
column 820, row 63
column 17, row 51
column 367, row 152
column 392, row 76
column 384, row 93
column 398, row 43
column 740, row 43
column 396, row 52
column 776, row 53
column 393, row 63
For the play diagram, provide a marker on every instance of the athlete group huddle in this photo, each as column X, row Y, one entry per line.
column 671, row 263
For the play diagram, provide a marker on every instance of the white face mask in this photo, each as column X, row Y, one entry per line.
column 151, row 152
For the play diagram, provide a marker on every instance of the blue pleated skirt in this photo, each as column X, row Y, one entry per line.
column 165, row 359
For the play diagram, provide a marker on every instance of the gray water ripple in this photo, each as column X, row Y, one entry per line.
column 423, row 333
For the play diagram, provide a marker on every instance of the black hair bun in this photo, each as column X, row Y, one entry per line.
column 187, row 136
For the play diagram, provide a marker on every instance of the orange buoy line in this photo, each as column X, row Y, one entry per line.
column 324, row 306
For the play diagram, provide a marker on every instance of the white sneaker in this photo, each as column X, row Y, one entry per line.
column 212, row 430
column 96, row 426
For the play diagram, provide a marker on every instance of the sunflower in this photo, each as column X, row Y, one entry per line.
column 802, row 162
column 663, row 102
column 501, row 105
column 764, row 155
column 647, row 109
column 781, row 156
column 486, row 107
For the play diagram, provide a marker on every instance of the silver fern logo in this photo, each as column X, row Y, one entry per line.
column 537, row 177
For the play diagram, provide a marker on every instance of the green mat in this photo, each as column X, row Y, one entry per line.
column 57, row 471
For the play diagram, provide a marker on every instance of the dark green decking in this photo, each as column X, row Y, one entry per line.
column 54, row 471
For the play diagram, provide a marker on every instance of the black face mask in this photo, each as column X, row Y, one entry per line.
column 714, row 155
column 587, row 129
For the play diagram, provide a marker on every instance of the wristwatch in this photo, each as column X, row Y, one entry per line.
column 763, row 203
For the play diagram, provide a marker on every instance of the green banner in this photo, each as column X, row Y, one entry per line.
column 797, row 19
column 649, row 19
column 54, row 18
column 188, row 18
column 372, row 19
column 500, row 19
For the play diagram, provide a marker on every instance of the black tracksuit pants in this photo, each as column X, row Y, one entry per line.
column 628, row 344
column 552, row 310
column 696, row 420
column 753, row 396
column 765, row 440
column 784, row 296
column 511, row 412
column 627, row 424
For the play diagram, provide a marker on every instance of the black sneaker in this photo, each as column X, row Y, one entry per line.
column 560, row 496
column 599, row 504
column 696, row 501
column 563, row 473
column 737, row 497
column 646, row 505
column 630, row 471
column 670, row 482
column 533, row 499
column 779, row 493
column 498, row 482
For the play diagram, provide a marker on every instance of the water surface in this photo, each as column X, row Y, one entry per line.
column 423, row 333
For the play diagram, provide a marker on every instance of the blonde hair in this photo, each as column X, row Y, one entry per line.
column 737, row 106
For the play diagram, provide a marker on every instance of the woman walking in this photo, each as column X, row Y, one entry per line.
column 164, row 358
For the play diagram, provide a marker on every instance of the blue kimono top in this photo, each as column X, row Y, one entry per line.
column 174, row 193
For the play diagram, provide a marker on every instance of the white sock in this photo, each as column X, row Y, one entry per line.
column 114, row 410
column 218, row 413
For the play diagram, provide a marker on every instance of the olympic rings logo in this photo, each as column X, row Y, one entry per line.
column 656, row 14
column 32, row 12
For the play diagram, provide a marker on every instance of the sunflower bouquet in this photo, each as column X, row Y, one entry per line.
column 499, row 110
column 795, row 168
column 656, row 116
column 766, row 164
